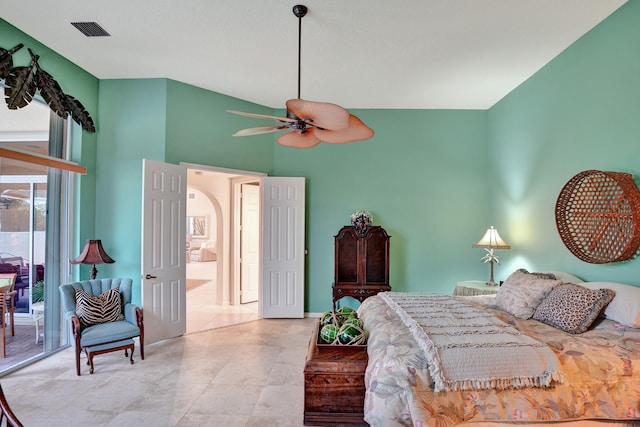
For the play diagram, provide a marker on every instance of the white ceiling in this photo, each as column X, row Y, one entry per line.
column 462, row 54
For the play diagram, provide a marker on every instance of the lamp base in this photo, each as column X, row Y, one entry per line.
column 491, row 282
column 93, row 272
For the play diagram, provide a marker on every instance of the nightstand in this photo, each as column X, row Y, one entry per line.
column 474, row 287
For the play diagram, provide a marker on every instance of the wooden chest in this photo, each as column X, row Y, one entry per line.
column 334, row 384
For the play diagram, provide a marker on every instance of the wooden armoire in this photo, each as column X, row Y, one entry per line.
column 361, row 263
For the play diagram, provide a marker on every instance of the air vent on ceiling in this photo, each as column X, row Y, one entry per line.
column 91, row 29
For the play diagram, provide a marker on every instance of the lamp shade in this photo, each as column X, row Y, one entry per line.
column 93, row 253
column 492, row 240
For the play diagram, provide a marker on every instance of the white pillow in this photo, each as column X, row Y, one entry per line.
column 625, row 306
column 566, row 277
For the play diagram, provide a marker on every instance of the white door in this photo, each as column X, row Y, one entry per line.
column 283, row 247
column 249, row 243
column 163, row 250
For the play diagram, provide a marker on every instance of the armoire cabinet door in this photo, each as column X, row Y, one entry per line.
column 376, row 257
column 361, row 263
column 346, row 256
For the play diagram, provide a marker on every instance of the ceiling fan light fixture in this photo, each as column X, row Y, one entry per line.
column 310, row 122
column 319, row 114
column 296, row 139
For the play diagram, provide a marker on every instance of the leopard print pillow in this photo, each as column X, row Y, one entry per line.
column 572, row 308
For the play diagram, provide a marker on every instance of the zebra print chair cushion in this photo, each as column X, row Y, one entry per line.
column 95, row 309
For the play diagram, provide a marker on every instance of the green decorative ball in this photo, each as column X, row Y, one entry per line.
column 352, row 334
column 354, row 321
column 329, row 318
column 345, row 313
column 329, row 333
column 346, row 310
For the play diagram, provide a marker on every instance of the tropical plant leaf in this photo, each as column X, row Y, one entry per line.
column 79, row 114
column 21, row 84
column 50, row 89
column 6, row 60
column 51, row 92
column 20, row 87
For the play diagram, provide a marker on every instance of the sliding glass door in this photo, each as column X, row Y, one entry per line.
column 23, row 211
column 31, row 197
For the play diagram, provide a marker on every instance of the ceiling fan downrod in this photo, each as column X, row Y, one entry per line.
column 299, row 11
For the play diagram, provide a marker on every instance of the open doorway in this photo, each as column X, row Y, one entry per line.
column 216, row 248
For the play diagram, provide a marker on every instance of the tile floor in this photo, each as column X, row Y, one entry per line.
column 244, row 375
column 202, row 311
column 247, row 374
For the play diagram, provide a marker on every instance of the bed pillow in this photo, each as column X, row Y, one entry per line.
column 522, row 292
column 572, row 308
column 96, row 309
column 625, row 307
column 566, row 277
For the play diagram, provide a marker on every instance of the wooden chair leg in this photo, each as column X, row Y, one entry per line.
column 3, row 340
column 3, row 326
column 78, row 350
column 13, row 330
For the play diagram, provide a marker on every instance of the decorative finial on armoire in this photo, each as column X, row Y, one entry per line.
column 361, row 221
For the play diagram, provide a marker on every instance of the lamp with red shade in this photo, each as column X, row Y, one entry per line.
column 92, row 254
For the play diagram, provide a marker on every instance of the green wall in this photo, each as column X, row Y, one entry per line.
column 422, row 176
column 133, row 116
column 580, row 112
column 199, row 130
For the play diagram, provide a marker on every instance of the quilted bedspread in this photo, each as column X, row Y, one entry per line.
column 601, row 368
column 469, row 348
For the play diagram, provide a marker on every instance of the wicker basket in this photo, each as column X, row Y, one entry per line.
column 598, row 215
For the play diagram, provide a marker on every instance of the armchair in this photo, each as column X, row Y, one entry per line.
column 116, row 330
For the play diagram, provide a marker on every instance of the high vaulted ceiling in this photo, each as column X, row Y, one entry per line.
column 462, row 54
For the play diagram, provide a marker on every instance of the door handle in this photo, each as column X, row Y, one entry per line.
column 148, row 276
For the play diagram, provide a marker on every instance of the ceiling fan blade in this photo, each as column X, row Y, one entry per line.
column 259, row 130
column 296, row 139
column 320, row 114
column 261, row 116
column 357, row 131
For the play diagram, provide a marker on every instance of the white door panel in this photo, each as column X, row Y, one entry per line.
column 163, row 250
column 283, row 247
column 250, row 243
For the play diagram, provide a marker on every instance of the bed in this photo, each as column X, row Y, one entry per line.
column 586, row 378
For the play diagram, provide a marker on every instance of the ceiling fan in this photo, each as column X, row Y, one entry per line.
column 310, row 122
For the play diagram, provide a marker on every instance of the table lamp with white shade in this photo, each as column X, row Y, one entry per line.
column 490, row 242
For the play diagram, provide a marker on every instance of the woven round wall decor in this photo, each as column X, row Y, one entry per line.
column 598, row 216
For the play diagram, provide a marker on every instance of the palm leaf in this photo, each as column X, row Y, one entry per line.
column 50, row 89
column 21, row 86
column 51, row 92
column 6, row 60
column 79, row 114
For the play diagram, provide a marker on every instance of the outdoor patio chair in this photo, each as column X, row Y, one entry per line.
column 7, row 307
